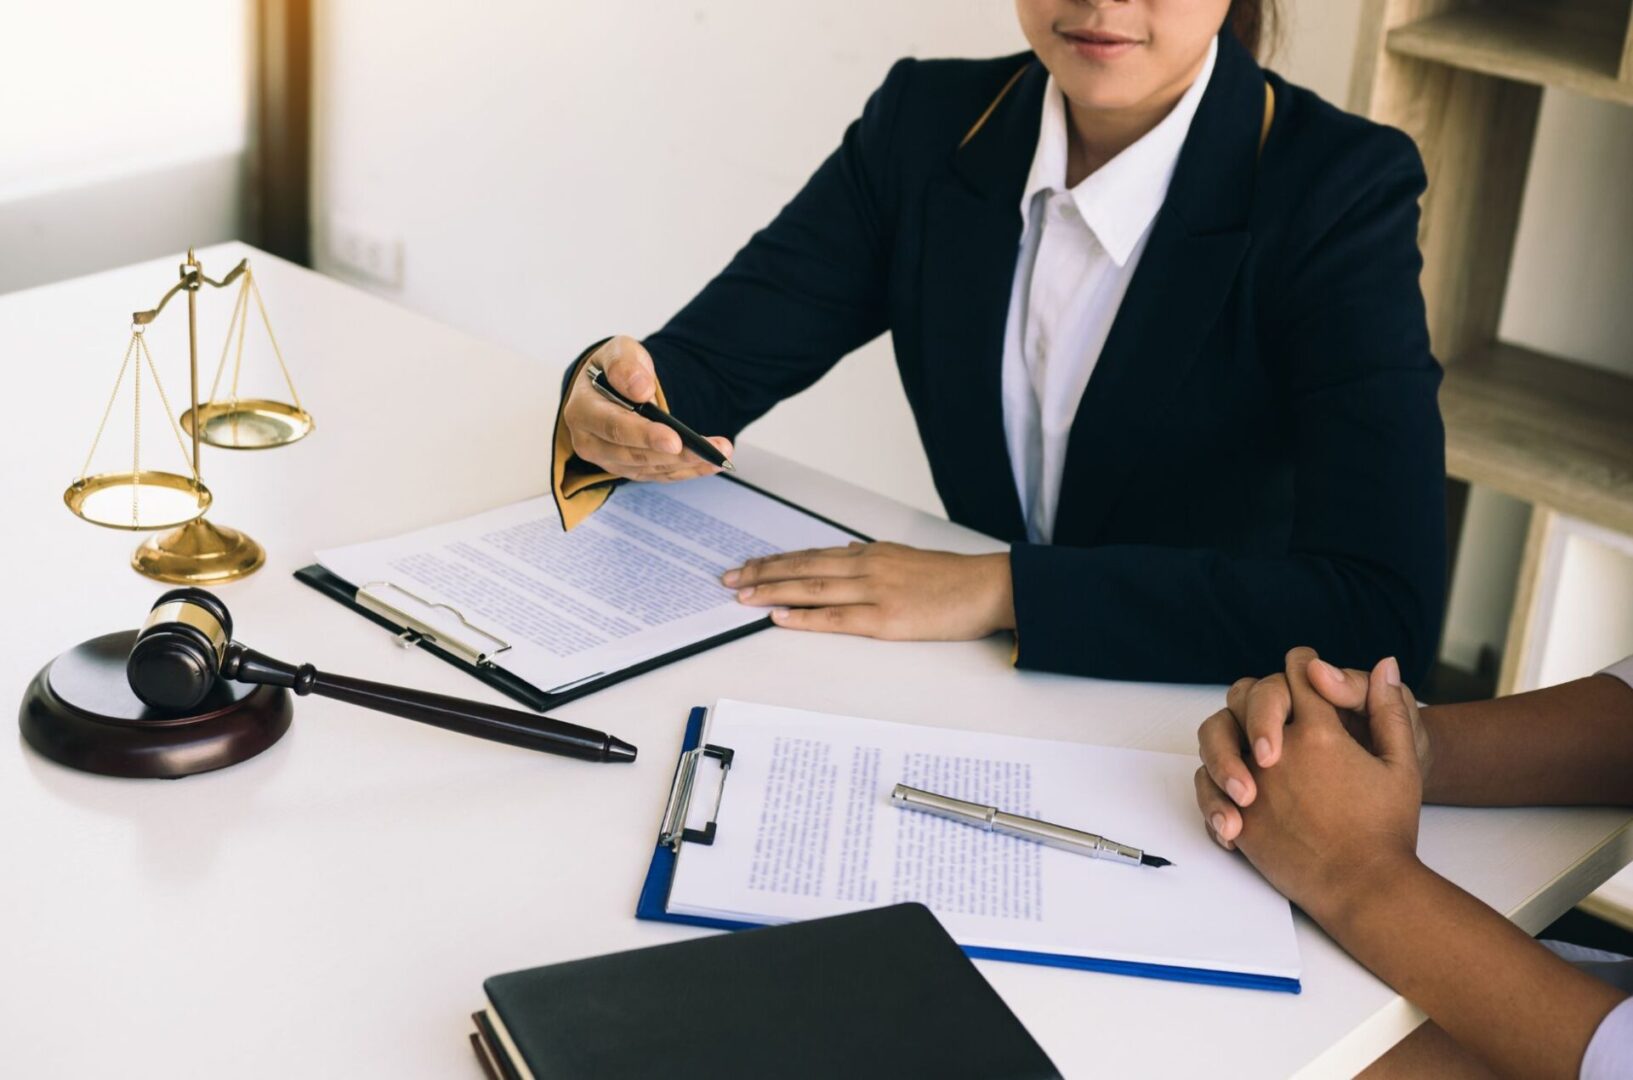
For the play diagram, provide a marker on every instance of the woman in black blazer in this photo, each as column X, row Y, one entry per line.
column 1255, row 459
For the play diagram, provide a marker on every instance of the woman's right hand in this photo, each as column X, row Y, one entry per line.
column 611, row 437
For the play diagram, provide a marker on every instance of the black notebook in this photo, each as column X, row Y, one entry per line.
column 877, row 993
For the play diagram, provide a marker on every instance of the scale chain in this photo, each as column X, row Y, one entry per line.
column 136, row 441
column 237, row 326
column 238, row 357
column 289, row 382
column 113, row 397
column 239, row 310
column 170, row 414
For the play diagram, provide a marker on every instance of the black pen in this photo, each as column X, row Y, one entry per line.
column 694, row 442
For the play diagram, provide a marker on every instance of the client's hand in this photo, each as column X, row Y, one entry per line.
column 1330, row 816
column 1251, row 724
column 882, row 591
column 609, row 436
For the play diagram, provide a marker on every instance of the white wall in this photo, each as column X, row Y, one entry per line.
column 122, row 130
column 1584, row 633
column 1572, row 278
column 1316, row 45
column 79, row 229
column 556, row 172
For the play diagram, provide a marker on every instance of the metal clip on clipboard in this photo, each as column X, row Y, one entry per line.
column 473, row 645
column 674, row 830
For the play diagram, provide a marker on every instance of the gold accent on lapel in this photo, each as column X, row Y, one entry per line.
column 1013, row 79
column 1269, row 114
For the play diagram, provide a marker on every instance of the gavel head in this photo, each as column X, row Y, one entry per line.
column 179, row 650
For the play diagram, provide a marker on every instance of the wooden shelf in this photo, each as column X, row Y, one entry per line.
column 1465, row 79
column 1544, row 430
column 1581, row 52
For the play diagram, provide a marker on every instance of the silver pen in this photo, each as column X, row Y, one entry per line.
column 995, row 820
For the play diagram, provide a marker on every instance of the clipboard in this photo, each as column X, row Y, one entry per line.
column 473, row 649
column 653, row 903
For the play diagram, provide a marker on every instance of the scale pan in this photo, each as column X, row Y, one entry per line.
column 249, row 423
column 137, row 501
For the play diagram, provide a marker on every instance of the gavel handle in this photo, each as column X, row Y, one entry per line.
column 493, row 722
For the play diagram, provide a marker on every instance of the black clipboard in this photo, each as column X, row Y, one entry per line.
column 346, row 593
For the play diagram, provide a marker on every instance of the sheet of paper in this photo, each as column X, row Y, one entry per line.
column 637, row 579
column 806, row 828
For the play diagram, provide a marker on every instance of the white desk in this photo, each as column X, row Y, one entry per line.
column 332, row 907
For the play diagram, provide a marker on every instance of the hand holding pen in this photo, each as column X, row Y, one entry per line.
column 616, row 425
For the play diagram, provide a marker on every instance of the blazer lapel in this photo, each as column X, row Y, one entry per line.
column 1185, row 274
column 972, row 236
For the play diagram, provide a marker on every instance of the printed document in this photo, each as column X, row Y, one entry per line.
column 806, row 828
column 637, row 579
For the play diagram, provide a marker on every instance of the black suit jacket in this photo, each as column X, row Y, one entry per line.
column 1258, row 459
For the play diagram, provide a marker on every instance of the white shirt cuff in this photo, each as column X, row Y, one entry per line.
column 1610, row 1051
column 1622, row 671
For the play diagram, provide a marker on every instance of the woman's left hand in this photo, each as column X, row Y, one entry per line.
column 882, row 590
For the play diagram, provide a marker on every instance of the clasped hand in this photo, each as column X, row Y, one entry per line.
column 1316, row 775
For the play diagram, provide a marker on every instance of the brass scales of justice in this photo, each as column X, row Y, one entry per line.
column 192, row 551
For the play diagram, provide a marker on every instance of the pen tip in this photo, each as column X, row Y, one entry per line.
column 619, row 750
column 1154, row 860
column 728, row 466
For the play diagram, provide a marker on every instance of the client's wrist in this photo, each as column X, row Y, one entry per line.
column 1428, row 720
column 1359, row 886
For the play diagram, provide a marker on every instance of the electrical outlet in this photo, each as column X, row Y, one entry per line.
column 366, row 252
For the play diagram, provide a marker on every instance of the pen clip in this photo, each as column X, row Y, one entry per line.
column 598, row 379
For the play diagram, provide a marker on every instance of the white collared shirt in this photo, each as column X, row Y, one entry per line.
column 1610, row 1051
column 1079, row 250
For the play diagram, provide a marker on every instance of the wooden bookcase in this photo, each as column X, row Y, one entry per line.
column 1465, row 79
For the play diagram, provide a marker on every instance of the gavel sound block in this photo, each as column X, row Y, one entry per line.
column 180, row 696
column 81, row 712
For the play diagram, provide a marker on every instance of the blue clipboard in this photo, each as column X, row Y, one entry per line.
column 653, row 904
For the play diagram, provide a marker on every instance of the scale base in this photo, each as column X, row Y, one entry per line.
column 199, row 553
column 80, row 712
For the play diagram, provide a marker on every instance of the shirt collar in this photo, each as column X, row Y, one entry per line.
column 1118, row 200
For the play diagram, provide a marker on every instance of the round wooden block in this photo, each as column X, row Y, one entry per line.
column 80, row 712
